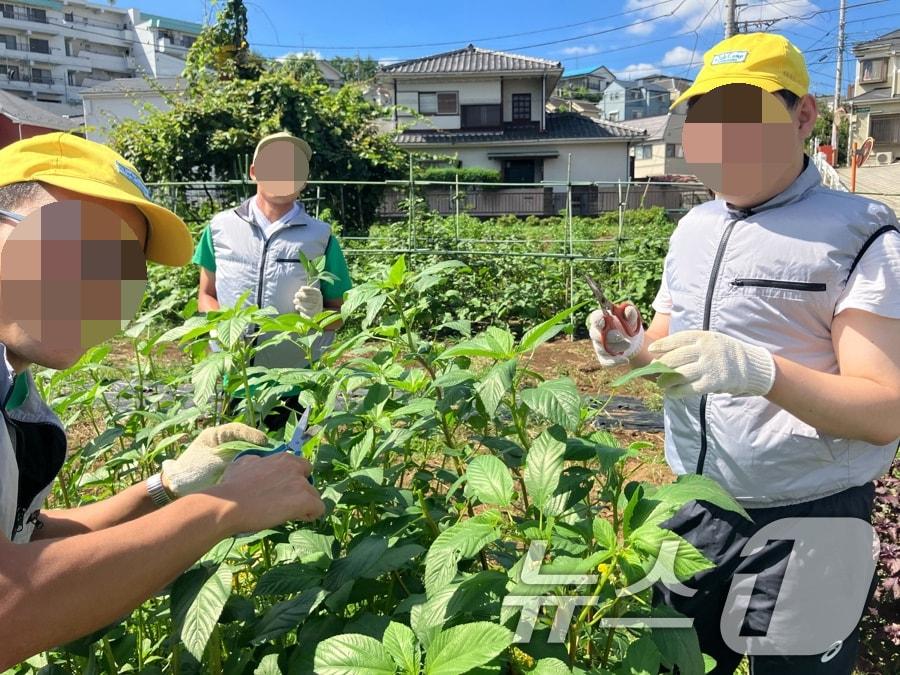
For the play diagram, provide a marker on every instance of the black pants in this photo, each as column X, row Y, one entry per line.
column 721, row 535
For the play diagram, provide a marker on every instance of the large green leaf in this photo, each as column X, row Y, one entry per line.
column 668, row 499
column 677, row 646
column 642, row 658
column 287, row 579
column 495, row 343
column 308, row 545
column 232, row 330
column 550, row 666
column 462, row 648
column 652, row 368
column 397, row 273
column 557, row 400
column 488, row 479
column 547, row 330
column 604, row 533
column 205, row 376
column 495, row 384
column 204, row 612
column 400, row 642
column 287, row 615
column 462, row 540
column 649, row 539
column 353, row 654
column 544, row 465
column 363, row 557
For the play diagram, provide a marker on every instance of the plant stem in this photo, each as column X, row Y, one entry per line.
column 428, row 519
column 110, row 659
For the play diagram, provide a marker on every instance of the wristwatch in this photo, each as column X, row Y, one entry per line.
column 157, row 491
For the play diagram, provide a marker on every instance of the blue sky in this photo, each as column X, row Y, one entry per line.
column 631, row 37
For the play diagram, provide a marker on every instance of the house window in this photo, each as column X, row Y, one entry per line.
column 674, row 150
column 439, row 103
column 644, row 152
column 481, row 116
column 69, row 17
column 11, row 72
column 9, row 41
column 874, row 70
column 41, row 76
column 886, row 129
column 613, row 116
column 519, row 171
column 6, row 11
column 39, row 46
column 37, row 15
column 521, row 107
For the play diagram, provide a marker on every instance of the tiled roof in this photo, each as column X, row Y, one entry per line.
column 882, row 94
column 21, row 111
column 560, row 126
column 655, row 126
column 472, row 59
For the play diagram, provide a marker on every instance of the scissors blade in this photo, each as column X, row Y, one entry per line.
column 600, row 296
column 296, row 443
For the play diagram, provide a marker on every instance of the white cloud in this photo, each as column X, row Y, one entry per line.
column 636, row 70
column 640, row 28
column 580, row 50
column 388, row 60
column 680, row 56
column 310, row 53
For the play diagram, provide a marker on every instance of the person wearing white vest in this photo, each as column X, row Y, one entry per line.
column 779, row 310
column 256, row 247
column 76, row 228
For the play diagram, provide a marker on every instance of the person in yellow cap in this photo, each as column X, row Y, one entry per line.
column 76, row 228
column 257, row 247
column 779, row 315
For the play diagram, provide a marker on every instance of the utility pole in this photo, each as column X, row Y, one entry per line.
column 837, row 78
column 730, row 11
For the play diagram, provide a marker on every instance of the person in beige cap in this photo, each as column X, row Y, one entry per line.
column 256, row 247
column 76, row 228
column 779, row 311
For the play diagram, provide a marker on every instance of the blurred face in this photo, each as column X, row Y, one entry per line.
column 744, row 143
column 72, row 275
column 280, row 170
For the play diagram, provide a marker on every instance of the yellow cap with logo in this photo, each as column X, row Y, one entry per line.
column 92, row 169
column 764, row 60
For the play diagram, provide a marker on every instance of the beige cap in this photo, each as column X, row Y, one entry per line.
column 286, row 136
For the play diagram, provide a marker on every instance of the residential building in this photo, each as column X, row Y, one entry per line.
column 580, row 81
column 675, row 85
column 875, row 108
column 21, row 119
column 580, row 106
column 52, row 50
column 624, row 100
column 489, row 109
column 108, row 103
column 661, row 152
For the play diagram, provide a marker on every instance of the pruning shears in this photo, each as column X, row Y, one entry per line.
column 614, row 316
column 294, row 446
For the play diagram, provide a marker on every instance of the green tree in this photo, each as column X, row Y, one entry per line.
column 822, row 130
column 355, row 69
column 223, row 48
column 215, row 124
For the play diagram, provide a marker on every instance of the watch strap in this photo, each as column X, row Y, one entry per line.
column 157, row 491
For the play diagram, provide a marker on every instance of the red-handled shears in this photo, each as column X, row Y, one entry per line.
column 613, row 315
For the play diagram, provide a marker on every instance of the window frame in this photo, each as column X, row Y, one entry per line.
column 437, row 103
column 882, row 60
column 517, row 116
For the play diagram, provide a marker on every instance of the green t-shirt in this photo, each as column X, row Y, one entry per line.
column 335, row 263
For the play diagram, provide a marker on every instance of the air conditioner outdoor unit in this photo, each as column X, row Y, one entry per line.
column 880, row 159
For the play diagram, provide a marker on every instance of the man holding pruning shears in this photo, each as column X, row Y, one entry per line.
column 76, row 229
column 779, row 315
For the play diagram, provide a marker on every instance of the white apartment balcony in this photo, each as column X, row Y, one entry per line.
column 115, row 63
column 34, row 85
column 23, row 52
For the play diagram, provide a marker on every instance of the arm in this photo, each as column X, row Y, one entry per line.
column 863, row 402
column 129, row 504
column 125, row 564
column 207, row 300
column 334, row 305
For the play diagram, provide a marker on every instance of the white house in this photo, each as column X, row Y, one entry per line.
column 660, row 153
column 875, row 108
column 52, row 50
column 109, row 103
column 489, row 109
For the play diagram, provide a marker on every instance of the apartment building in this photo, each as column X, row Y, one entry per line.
column 52, row 50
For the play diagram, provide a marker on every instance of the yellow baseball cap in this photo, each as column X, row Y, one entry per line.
column 765, row 60
column 89, row 168
column 302, row 145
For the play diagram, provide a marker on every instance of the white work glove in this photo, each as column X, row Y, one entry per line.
column 713, row 363
column 624, row 338
column 308, row 302
column 202, row 464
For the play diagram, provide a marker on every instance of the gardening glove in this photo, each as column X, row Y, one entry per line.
column 308, row 302
column 713, row 363
column 624, row 338
column 202, row 464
